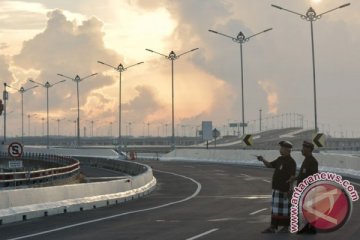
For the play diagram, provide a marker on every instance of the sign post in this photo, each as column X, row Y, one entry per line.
column 319, row 140
column 248, row 140
column 206, row 129
column 15, row 151
column 215, row 134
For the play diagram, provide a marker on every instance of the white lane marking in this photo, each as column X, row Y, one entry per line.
column 120, row 214
column 202, row 234
column 266, row 181
column 225, row 219
column 237, row 196
column 245, row 175
column 253, row 213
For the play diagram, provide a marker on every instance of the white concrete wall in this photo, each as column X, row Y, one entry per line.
column 34, row 202
column 346, row 164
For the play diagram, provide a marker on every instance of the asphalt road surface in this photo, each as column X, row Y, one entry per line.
column 191, row 201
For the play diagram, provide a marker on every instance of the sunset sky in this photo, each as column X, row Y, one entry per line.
column 41, row 38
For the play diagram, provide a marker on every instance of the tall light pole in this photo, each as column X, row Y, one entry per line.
column 5, row 97
column 311, row 17
column 22, row 90
column 74, row 121
column 148, row 128
column 47, row 85
column 58, row 120
column 29, row 116
column 130, row 123
column 77, row 79
column 120, row 68
column 260, row 116
column 241, row 39
column 172, row 57
column 92, row 126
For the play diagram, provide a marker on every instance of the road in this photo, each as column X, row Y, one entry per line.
column 192, row 201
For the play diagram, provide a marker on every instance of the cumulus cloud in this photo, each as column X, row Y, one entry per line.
column 272, row 96
column 279, row 55
column 144, row 106
column 207, row 81
column 3, row 46
column 5, row 73
column 71, row 49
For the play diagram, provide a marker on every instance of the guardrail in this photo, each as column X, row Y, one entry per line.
column 69, row 167
column 344, row 164
column 23, row 204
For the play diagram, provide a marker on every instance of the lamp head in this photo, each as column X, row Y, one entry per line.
column 311, row 13
column 172, row 55
column 120, row 67
column 240, row 36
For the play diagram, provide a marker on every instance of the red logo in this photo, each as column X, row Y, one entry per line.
column 326, row 207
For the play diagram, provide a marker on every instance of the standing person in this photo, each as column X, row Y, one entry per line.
column 285, row 169
column 308, row 167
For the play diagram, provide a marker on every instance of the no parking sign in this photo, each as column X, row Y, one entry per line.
column 15, row 149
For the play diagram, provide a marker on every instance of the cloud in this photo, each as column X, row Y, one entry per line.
column 207, row 81
column 272, row 96
column 16, row 15
column 3, row 46
column 68, row 48
column 144, row 106
column 5, row 73
column 279, row 55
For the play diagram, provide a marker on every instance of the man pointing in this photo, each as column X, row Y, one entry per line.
column 285, row 169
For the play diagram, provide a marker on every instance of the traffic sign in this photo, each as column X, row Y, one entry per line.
column 15, row 150
column 206, row 128
column 248, row 140
column 233, row 125
column 243, row 124
column 319, row 140
column 15, row 164
column 215, row 133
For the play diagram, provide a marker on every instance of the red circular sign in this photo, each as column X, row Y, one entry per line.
column 326, row 207
column 15, row 149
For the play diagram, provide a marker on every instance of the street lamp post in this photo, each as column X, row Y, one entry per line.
column 311, row 17
column 22, row 90
column 172, row 57
column 74, row 121
column 120, row 68
column 47, row 85
column 148, row 129
column 241, row 39
column 77, row 79
column 58, row 125
column 29, row 116
column 5, row 97
column 260, row 116
column 92, row 126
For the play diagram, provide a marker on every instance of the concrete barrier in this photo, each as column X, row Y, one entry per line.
column 23, row 204
column 344, row 164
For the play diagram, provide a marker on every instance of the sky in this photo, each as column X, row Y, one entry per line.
column 41, row 38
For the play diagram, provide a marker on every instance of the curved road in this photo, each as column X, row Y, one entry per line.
column 199, row 201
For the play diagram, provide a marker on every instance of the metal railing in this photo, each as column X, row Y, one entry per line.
column 66, row 167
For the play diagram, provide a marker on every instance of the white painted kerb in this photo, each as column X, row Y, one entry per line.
column 37, row 202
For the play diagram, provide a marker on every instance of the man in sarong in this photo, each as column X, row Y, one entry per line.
column 285, row 169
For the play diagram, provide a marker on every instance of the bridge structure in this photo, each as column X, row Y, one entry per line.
column 188, row 193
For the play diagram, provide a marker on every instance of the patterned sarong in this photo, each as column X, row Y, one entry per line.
column 280, row 209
